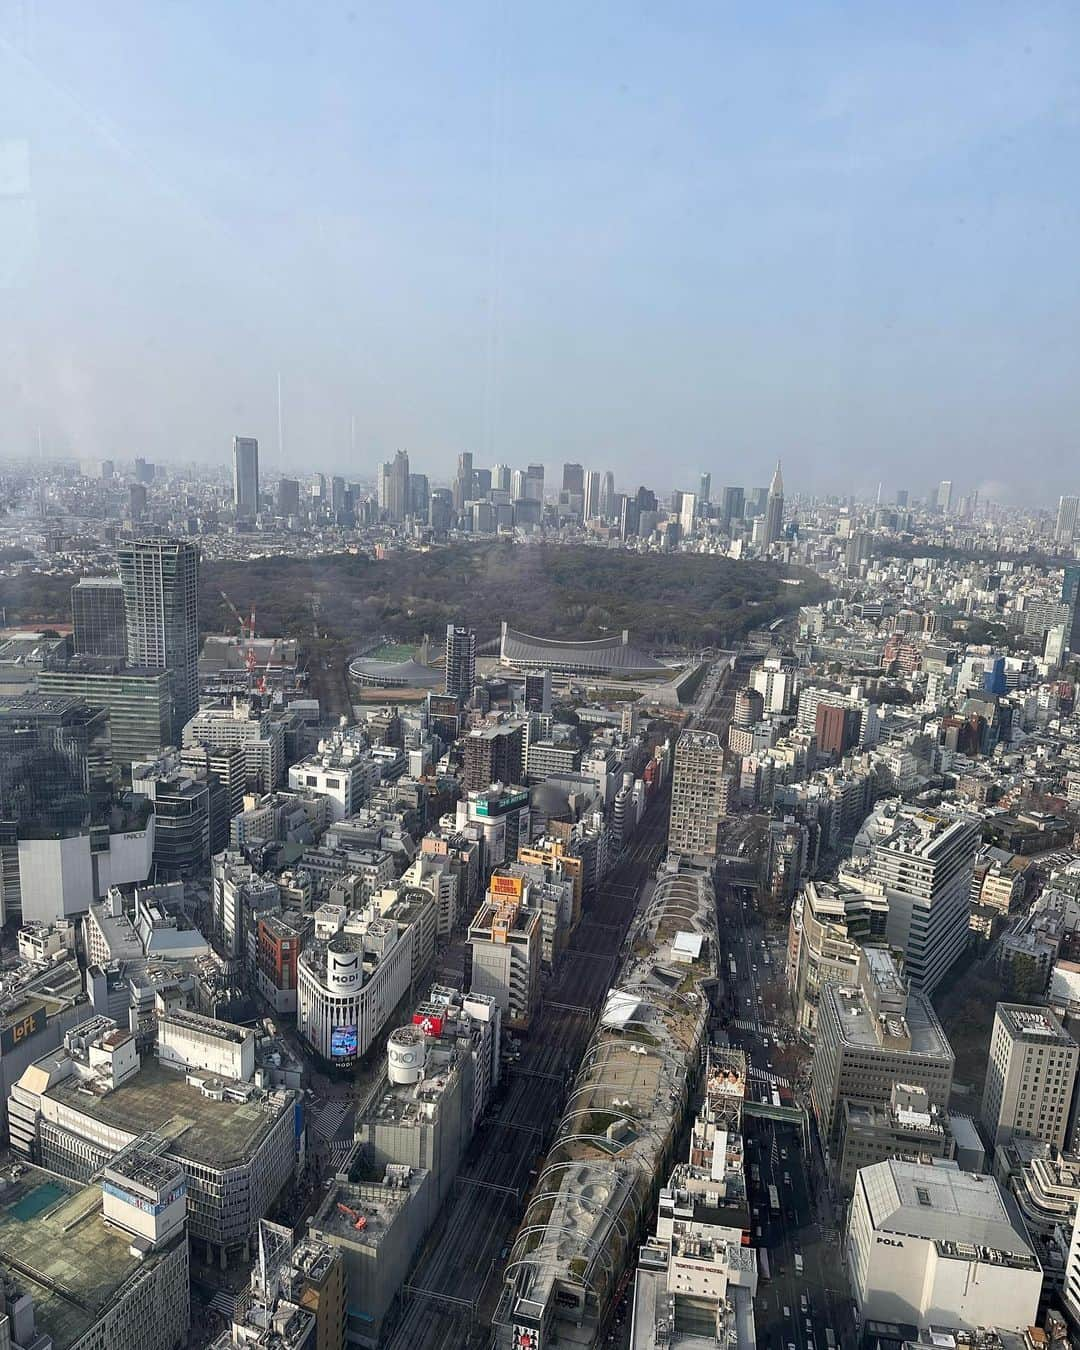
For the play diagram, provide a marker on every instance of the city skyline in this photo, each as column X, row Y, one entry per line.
column 852, row 260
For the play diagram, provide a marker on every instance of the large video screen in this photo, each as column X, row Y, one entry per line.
column 343, row 1042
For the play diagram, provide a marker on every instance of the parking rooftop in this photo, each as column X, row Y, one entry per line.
column 161, row 1101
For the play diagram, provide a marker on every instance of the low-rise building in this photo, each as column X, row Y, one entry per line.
column 930, row 1244
column 906, row 1126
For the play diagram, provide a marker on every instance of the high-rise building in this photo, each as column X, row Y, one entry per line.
column 924, row 867
column 136, row 500
column 97, row 613
column 144, row 471
column 397, row 503
column 419, row 496
column 902, row 497
column 463, row 483
column 573, row 478
column 1065, row 531
column 55, row 761
column 732, row 504
column 246, row 476
column 687, row 512
column 288, row 497
column 161, row 608
column 1029, row 1077
column 139, row 703
column 774, row 508
column 337, row 494
column 460, row 660
column 705, row 489
column 943, row 499
column 697, row 794
column 607, row 495
column 501, row 477
column 441, row 510
column 494, row 754
column 593, row 487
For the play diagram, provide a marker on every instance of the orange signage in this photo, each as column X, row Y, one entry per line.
column 507, row 886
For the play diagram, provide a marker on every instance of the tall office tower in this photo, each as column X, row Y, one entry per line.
column 500, row 477
column 494, row 753
column 1065, row 531
column 705, row 489
column 534, row 482
column 288, row 497
column 97, row 613
column 924, row 867
column 1030, row 1075
column 419, row 496
column 441, row 510
column 136, row 500
column 697, row 794
column 630, row 518
column 593, row 486
column 774, row 508
column 573, row 478
column 902, row 497
column 1070, row 595
column 687, row 512
column 161, row 610
column 144, row 471
column 318, row 488
column 385, row 491
column 463, row 483
column 732, row 504
column 460, row 660
column 398, row 489
column 337, row 494
column 943, row 497
column 518, row 485
column 607, row 496
column 481, row 483
column 108, row 468
column 246, row 476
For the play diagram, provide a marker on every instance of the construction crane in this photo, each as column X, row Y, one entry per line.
column 239, row 617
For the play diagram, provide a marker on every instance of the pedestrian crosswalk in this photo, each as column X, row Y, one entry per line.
column 328, row 1117
column 338, row 1152
column 766, row 1076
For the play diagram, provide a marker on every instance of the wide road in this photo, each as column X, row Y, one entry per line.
column 758, row 1017
column 452, row 1292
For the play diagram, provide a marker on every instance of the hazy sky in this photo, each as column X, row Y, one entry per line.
column 660, row 237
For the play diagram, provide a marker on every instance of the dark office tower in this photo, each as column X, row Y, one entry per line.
column 481, row 483
column 97, row 613
column 774, row 508
column 732, row 505
column 463, row 483
column 55, row 761
column 246, row 476
column 494, row 754
column 144, row 471
column 419, row 495
column 630, row 518
column 441, row 510
column 136, row 500
column 902, row 497
column 607, row 495
column 646, row 499
column 161, row 610
column 573, row 478
column 337, row 495
column 538, row 691
column 1070, row 595
column 460, row 660
column 705, row 489
column 288, row 497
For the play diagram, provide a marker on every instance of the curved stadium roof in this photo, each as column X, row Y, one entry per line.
column 395, row 674
column 602, row 655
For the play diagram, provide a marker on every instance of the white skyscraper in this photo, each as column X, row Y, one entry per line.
column 1065, row 532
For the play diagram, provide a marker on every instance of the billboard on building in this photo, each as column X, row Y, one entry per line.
column 507, row 886
column 431, row 1024
column 343, row 1042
